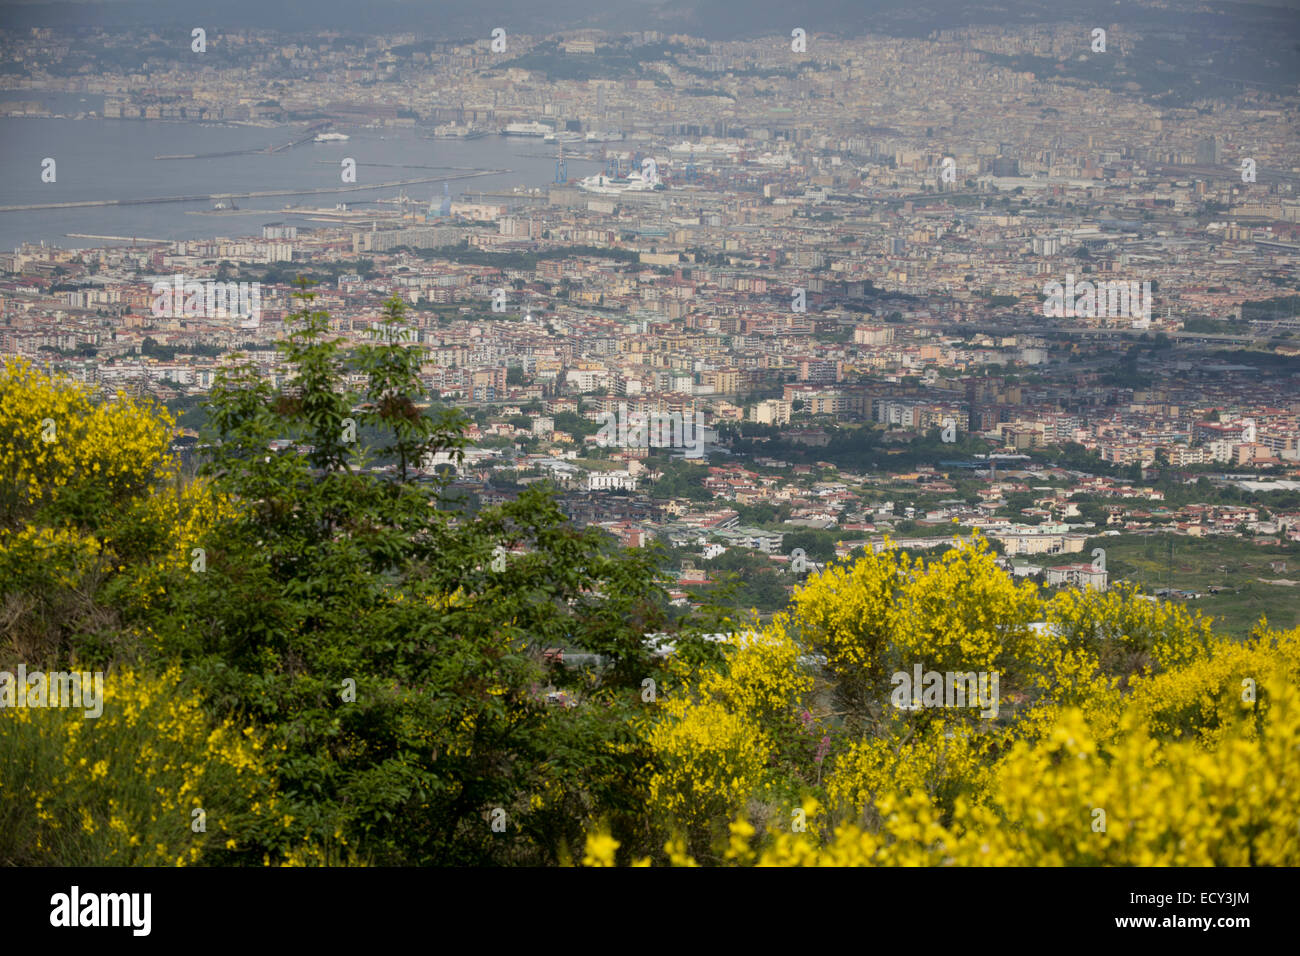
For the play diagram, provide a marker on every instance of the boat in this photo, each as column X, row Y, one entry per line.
column 604, row 185
column 452, row 131
column 332, row 137
column 225, row 204
column 526, row 129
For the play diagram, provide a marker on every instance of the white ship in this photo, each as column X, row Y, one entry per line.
column 526, row 129
column 610, row 186
column 332, row 137
column 452, row 131
column 562, row 138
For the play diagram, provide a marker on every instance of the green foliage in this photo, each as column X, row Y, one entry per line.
column 332, row 575
column 679, row 479
column 393, row 380
column 818, row 545
column 381, row 637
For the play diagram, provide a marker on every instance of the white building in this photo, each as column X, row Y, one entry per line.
column 1083, row 576
column 609, row 481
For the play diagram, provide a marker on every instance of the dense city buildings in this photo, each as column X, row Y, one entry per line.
column 889, row 277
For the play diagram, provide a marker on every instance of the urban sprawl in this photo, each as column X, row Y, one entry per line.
column 818, row 293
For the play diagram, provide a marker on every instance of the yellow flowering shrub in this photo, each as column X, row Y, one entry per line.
column 1119, row 633
column 123, row 788
column 850, row 613
column 1141, row 739
column 763, row 679
column 36, row 559
column 1073, row 800
column 710, row 761
column 57, row 445
column 1201, row 699
column 714, row 740
column 886, row 613
column 94, row 521
column 943, row 759
column 1137, row 801
column 45, row 577
column 963, row 613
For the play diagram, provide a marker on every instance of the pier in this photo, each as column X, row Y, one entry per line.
column 308, row 134
column 213, row 197
column 131, row 239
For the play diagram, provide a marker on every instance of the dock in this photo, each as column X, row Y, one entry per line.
column 131, row 239
column 308, row 134
column 213, row 197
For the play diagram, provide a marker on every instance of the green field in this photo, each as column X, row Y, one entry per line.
column 1233, row 564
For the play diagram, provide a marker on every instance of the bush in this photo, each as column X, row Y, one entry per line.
column 122, row 788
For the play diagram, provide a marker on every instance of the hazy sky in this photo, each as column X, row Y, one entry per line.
column 717, row 19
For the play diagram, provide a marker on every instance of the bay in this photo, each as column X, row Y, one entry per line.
column 99, row 159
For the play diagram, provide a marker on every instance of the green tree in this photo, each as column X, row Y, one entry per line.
column 388, row 645
column 393, row 382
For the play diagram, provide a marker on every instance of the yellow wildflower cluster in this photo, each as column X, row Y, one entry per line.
column 711, row 760
column 714, row 741
column 1121, row 631
column 124, row 788
column 97, row 481
column 41, row 559
column 943, row 759
column 1200, row 700
column 851, row 613
column 763, row 679
column 1077, row 797
column 1134, row 737
column 55, row 438
column 963, row 612
column 957, row 612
